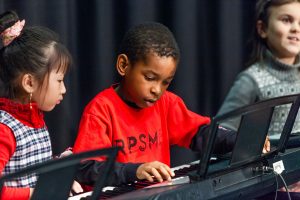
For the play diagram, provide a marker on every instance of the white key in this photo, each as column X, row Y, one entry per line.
column 77, row 197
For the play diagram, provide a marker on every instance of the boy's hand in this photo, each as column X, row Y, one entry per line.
column 154, row 169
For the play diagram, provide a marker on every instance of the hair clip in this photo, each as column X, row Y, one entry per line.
column 9, row 34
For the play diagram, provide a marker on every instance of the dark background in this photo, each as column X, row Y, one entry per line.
column 212, row 36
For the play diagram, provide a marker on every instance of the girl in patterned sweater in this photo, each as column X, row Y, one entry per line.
column 274, row 68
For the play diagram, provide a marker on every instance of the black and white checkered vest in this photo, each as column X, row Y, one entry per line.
column 33, row 146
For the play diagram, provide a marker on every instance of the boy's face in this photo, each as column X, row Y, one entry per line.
column 145, row 81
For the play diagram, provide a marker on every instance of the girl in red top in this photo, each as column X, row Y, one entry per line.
column 32, row 67
column 139, row 115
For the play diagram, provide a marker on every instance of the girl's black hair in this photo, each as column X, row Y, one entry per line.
column 36, row 51
column 150, row 37
column 262, row 12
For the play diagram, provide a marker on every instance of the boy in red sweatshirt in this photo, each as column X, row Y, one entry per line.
column 140, row 115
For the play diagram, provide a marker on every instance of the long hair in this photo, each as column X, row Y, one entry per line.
column 262, row 12
column 36, row 50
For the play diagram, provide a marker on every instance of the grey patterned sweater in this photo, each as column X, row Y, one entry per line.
column 260, row 81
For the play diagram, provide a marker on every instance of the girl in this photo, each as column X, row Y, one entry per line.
column 274, row 64
column 32, row 67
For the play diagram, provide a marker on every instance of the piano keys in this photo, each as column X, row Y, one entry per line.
column 237, row 184
column 80, row 196
column 110, row 191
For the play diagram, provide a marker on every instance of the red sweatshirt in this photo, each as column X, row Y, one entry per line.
column 144, row 134
column 30, row 117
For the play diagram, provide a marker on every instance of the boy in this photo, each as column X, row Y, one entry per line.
column 139, row 115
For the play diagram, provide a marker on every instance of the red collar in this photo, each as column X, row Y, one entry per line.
column 32, row 117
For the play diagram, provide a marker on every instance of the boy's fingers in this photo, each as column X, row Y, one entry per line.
column 156, row 174
column 166, row 172
column 147, row 176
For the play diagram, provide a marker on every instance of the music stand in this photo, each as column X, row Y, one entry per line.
column 55, row 177
column 251, row 134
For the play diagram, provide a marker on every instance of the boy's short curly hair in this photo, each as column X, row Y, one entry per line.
column 150, row 37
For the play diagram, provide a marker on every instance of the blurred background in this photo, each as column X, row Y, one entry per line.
column 212, row 36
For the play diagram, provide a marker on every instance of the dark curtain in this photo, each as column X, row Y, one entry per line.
column 211, row 34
